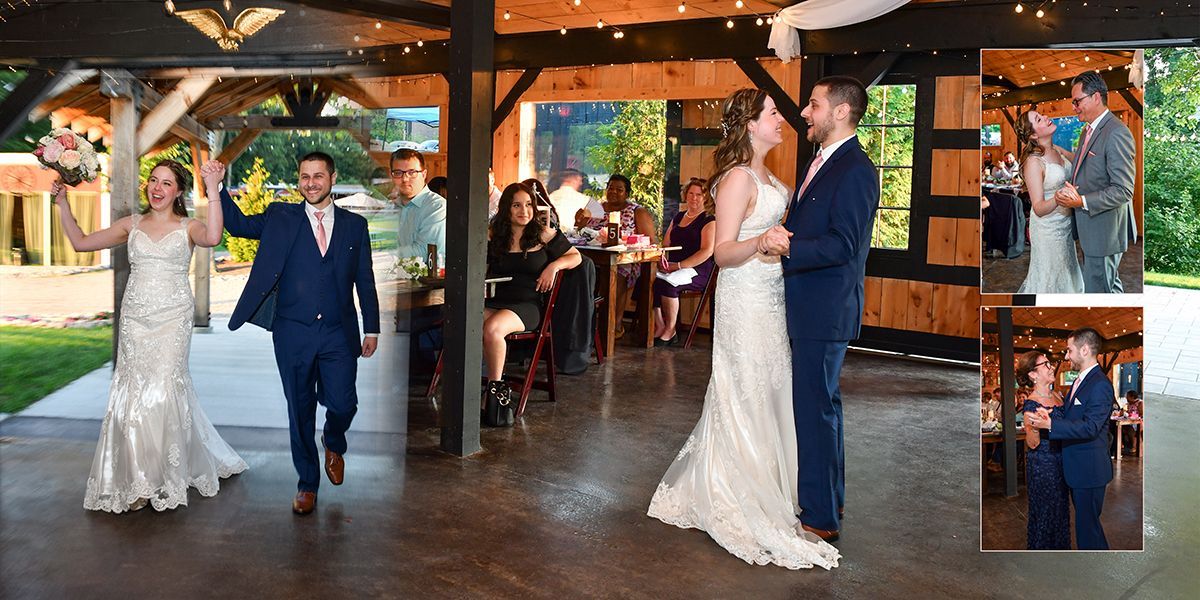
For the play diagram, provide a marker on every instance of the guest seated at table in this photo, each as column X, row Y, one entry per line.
column 987, row 163
column 634, row 219
column 422, row 212
column 520, row 247
column 1008, row 168
column 1049, row 514
column 694, row 230
column 545, row 209
column 568, row 200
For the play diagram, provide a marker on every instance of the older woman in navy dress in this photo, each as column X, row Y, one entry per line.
column 695, row 232
column 1049, row 515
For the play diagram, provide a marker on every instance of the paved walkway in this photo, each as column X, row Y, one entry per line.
column 1172, row 355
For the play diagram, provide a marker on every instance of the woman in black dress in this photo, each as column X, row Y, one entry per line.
column 532, row 254
column 1049, row 513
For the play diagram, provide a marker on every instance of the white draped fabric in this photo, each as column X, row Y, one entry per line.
column 821, row 14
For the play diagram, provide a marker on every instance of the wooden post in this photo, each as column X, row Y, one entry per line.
column 1008, row 409
column 202, row 257
column 123, row 90
column 472, row 98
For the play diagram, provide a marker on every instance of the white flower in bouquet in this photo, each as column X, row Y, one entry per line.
column 70, row 159
column 52, row 151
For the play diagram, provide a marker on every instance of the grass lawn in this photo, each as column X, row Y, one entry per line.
column 1190, row 282
column 35, row 361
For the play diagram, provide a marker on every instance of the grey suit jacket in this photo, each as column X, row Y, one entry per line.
column 1106, row 178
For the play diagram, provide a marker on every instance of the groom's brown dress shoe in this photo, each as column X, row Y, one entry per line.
column 824, row 534
column 841, row 512
column 335, row 465
column 304, row 502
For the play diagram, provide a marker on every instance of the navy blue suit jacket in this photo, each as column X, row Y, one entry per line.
column 277, row 230
column 831, row 235
column 1083, row 430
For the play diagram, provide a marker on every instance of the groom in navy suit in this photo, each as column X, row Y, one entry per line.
column 1082, row 426
column 311, row 257
column 829, row 222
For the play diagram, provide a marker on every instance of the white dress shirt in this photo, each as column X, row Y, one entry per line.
column 828, row 150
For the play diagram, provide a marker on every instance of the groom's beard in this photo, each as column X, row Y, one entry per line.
column 820, row 131
column 319, row 199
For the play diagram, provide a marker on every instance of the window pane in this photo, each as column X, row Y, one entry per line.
column 896, row 190
column 897, row 147
column 989, row 135
column 871, row 139
column 891, row 229
column 902, row 104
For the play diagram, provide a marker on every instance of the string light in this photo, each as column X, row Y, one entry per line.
column 682, row 7
column 739, row 3
column 563, row 30
column 420, row 43
column 729, row 24
column 600, row 24
column 1040, row 13
column 758, row 21
column 1019, row 8
column 378, row 24
column 507, row 16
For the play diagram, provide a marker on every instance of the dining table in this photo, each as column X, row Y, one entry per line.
column 1137, row 434
column 413, row 295
column 987, row 439
column 607, row 259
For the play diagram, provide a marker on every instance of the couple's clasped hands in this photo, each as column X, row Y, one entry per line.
column 1039, row 419
column 776, row 241
column 1068, row 196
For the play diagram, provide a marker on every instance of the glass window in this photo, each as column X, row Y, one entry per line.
column 989, row 135
column 887, row 133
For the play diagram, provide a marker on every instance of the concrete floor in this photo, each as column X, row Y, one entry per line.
column 1005, row 276
column 555, row 507
column 1004, row 523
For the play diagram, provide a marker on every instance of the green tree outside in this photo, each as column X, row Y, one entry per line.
column 1171, row 187
column 254, row 199
column 634, row 147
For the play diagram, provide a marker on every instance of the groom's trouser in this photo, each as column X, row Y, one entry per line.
column 1088, row 502
column 315, row 365
column 1101, row 275
column 817, row 402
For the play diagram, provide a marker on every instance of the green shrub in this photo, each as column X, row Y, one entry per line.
column 254, row 199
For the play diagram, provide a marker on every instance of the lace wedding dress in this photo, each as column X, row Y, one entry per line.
column 155, row 441
column 1053, row 264
column 735, row 476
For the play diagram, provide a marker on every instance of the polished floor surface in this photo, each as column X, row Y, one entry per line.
column 1005, row 276
column 555, row 507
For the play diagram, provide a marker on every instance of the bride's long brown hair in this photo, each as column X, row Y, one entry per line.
column 737, row 111
column 1026, row 145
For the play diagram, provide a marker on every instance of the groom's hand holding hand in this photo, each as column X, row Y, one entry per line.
column 1068, row 196
column 1039, row 419
column 775, row 241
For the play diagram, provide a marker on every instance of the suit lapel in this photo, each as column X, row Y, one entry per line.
column 1082, row 155
column 827, row 166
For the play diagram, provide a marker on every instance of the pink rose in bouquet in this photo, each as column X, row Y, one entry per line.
column 72, row 156
column 52, row 152
column 67, row 141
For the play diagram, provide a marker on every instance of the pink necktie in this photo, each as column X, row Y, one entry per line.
column 1087, row 135
column 812, row 170
column 321, row 239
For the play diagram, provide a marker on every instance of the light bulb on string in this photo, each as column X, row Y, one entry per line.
column 563, row 30
column 600, row 24
column 729, row 24
column 681, row 8
column 507, row 16
column 1040, row 13
column 739, row 3
column 1019, row 8
column 378, row 24
column 420, row 43
column 758, row 21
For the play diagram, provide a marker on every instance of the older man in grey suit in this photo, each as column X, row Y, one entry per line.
column 1100, row 189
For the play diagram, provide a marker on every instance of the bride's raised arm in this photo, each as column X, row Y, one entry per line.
column 108, row 237
column 1034, row 171
column 734, row 199
column 208, row 234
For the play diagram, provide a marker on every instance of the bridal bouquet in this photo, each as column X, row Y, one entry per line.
column 71, row 155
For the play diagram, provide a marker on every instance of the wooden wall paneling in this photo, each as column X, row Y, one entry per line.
column 946, row 316
column 872, row 300
column 967, row 251
column 969, row 169
column 648, row 75
column 971, row 103
column 679, row 74
column 945, row 173
column 705, row 73
column 920, row 308
column 894, row 304
column 943, row 241
column 948, row 101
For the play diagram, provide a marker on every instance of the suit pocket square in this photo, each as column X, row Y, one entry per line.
column 1077, row 403
column 1090, row 153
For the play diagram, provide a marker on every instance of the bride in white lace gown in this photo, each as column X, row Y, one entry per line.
column 735, row 476
column 155, row 441
column 1053, row 262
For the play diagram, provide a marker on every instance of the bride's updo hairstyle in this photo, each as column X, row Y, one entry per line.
column 737, row 111
column 182, row 177
column 1026, row 145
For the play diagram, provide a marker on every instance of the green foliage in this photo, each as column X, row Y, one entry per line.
column 634, row 146
column 279, row 150
column 1172, row 151
column 886, row 133
column 25, row 138
column 253, row 201
column 35, row 361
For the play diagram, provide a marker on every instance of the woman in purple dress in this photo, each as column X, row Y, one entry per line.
column 1048, row 525
column 694, row 230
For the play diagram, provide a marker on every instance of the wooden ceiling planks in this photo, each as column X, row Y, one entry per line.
column 1041, row 66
